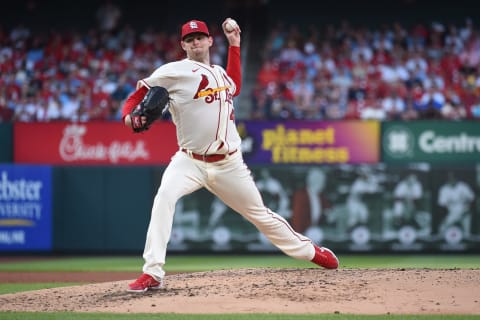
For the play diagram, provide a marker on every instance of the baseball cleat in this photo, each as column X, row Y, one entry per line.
column 143, row 283
column 324, row 257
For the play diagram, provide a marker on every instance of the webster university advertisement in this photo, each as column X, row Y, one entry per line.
column 25, row 208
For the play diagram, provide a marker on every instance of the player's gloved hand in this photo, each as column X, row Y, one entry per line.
column 150, row 109
column 138, row 122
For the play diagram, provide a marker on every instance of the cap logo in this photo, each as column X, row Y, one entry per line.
column 193, row 25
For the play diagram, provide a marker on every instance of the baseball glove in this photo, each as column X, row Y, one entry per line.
column 150, row 109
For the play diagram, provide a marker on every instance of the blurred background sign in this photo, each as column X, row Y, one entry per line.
column 25, row 208
column 436, row 142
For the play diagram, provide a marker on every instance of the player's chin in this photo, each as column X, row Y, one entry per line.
column 197, row 54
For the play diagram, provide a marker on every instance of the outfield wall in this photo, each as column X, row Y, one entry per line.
column 353, row 186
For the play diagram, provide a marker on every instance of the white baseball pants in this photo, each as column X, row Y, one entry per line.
column 230, row 180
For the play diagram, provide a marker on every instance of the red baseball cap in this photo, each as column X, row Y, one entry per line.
column 194, row 26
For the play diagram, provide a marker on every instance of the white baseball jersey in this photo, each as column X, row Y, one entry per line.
column 201, row 105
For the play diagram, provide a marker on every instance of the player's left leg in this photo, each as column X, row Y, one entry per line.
column 234, row 185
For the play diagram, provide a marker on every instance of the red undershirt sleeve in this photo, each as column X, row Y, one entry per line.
column 133, row 100
column 234, row 67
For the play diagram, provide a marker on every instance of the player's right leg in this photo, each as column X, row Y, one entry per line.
column 181, row 177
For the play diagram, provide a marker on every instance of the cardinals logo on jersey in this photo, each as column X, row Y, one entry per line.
column 210, row 94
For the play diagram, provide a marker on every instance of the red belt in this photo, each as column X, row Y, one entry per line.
column 208, row 157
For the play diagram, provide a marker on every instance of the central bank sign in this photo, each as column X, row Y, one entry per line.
column 431, row 141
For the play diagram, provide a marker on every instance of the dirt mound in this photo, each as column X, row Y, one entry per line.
column 360, row 291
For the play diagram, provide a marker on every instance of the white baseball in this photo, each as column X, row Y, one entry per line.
column 231, row 25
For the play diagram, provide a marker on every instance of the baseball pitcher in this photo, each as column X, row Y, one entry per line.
column 199, row 97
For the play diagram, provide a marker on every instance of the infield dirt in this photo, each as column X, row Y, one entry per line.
column 294, row 291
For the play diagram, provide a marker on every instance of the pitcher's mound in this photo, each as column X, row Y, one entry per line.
column 358, row 291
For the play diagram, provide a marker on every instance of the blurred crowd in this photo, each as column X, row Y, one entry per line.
column 329, row 72
column 426, row 71
column 81, row 75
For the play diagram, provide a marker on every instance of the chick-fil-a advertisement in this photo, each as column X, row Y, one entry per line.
column 94, row 143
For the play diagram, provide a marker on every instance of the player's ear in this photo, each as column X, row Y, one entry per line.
column 210, row 41
column 182, row 44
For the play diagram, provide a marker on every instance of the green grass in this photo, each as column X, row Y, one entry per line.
column 177, row 263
